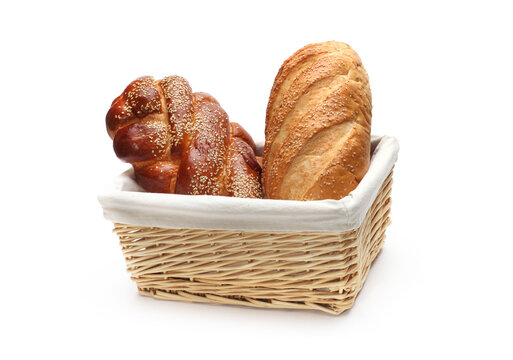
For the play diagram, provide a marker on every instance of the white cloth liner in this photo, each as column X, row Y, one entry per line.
column 125, row 202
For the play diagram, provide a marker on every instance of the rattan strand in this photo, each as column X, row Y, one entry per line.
column 297, row 270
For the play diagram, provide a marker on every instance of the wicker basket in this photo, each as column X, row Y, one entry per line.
column 269, row 269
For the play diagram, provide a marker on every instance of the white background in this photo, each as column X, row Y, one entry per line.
column 441, row 77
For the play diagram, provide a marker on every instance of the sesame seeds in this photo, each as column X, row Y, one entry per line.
column 178, row 96
column 209, row 135
column 310, row 98
column 242, row 181
column 142, row 97
column 203, row 125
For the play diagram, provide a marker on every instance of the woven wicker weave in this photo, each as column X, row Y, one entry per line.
column 299, row 270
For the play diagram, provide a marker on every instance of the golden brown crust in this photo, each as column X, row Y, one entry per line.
column 179, row 141
column 242, row 170
column 317, row 125
column 204, row 158
column 179, row 102
column 238, row 131
column 159, row 177
column 141, row 141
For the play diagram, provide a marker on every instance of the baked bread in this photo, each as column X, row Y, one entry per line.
column 317, row 130
column 182, row 142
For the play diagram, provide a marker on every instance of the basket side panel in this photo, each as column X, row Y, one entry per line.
column 371, row 233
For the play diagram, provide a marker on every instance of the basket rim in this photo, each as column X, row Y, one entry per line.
column 123, row 201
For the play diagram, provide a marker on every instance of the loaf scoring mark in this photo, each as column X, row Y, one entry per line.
column 306, row 97
column 290, row 70
column 300, row 107
column 329, row 146
column 318, row 153
column 286, row 84
column 330, row 110
column 296, row 117
column 349, row 162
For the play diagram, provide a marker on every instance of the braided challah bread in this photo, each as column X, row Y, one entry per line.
column 317, row 135
column 182, row 142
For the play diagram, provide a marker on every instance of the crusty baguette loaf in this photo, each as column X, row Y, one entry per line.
column 182, row 142
column 317, row 134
